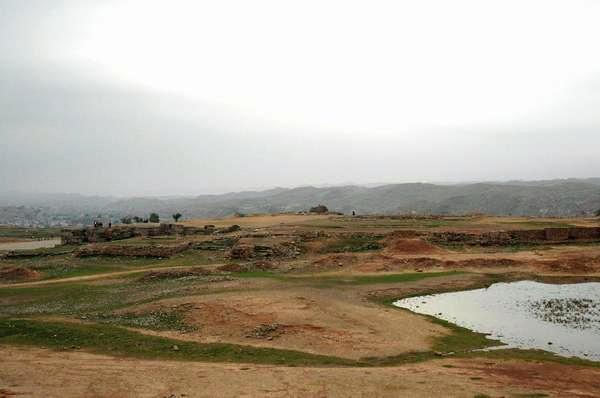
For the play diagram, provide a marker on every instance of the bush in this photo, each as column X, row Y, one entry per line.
column 154, row 218
column 321, row 209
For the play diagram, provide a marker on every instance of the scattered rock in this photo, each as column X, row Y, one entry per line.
column 265, row 331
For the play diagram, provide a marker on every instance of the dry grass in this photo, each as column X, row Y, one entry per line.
column 257, row 221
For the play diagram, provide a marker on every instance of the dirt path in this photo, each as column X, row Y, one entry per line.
column 33, row 372
column 105, row 275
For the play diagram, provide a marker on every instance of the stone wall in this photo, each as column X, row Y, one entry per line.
column 163, row 251
column 94, row 235
column 506, row 238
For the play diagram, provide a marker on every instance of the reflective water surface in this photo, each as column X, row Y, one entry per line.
column 564, row 319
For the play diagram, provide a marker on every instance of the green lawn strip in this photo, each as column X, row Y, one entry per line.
column 537, row 224
column 531, row 356
column 353, row 244
column 85, row 299
column 68, row 265
column 257, row 274
column 106, row 339
column 153, row 320
column 29, row 233
column 459, row 341
column 335, row 280
column 42, row 252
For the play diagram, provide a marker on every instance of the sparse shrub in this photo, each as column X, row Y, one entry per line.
column 126, row 220
column 154, row 218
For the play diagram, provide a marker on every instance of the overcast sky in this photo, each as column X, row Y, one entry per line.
column 188, row 97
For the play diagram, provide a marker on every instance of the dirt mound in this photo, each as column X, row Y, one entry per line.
column 386, row 263
column 161, row 251
column 411, row 246
column 261, row 265
column 383, row 263
column 334, row 261
column 18, row 274
column 580, row 264
column 174, row 274
column 303, row 319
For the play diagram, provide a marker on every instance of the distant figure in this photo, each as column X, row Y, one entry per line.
column 353, row 213
column 109, row 224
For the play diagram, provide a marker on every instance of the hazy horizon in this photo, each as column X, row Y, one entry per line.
column 154, row 98
column 290, row 187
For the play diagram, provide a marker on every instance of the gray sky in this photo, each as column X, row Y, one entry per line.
column 188, row 97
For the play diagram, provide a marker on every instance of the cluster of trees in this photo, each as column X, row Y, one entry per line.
column 135, row 219
column 153, row 217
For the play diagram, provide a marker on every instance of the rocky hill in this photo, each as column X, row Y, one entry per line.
column 538, row 198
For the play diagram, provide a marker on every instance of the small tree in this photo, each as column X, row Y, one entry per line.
column 320, row 209
column 154, row 218
column 176, row 216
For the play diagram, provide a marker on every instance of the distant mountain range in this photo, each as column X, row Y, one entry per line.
column 572, row 197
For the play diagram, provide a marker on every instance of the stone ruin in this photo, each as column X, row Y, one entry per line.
column 507, row 238
column 77, row 236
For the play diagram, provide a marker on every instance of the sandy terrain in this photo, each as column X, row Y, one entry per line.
column 315, row 300
column 33, row 372
column 309, row 320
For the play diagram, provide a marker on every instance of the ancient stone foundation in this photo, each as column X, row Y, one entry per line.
column 74, row 236
column 506, row 238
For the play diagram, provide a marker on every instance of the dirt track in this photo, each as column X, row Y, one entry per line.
column 87, row 278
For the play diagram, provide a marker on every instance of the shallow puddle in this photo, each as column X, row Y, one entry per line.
column 29, row 245
column 564, row 319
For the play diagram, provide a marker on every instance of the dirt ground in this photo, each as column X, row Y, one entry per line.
column 309, row 301
column 303, row 319
column 258, row 221
column 34, row 372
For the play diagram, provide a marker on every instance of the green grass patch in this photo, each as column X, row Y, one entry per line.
column 533, row 356
column 326, row 281
column 114, row 340
column 352, row 245
column 257, row 274
column 28, row 233
column 83, row 299
column 67, row 265
column 461, row 339
column 154, row 320
column 537, row 224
